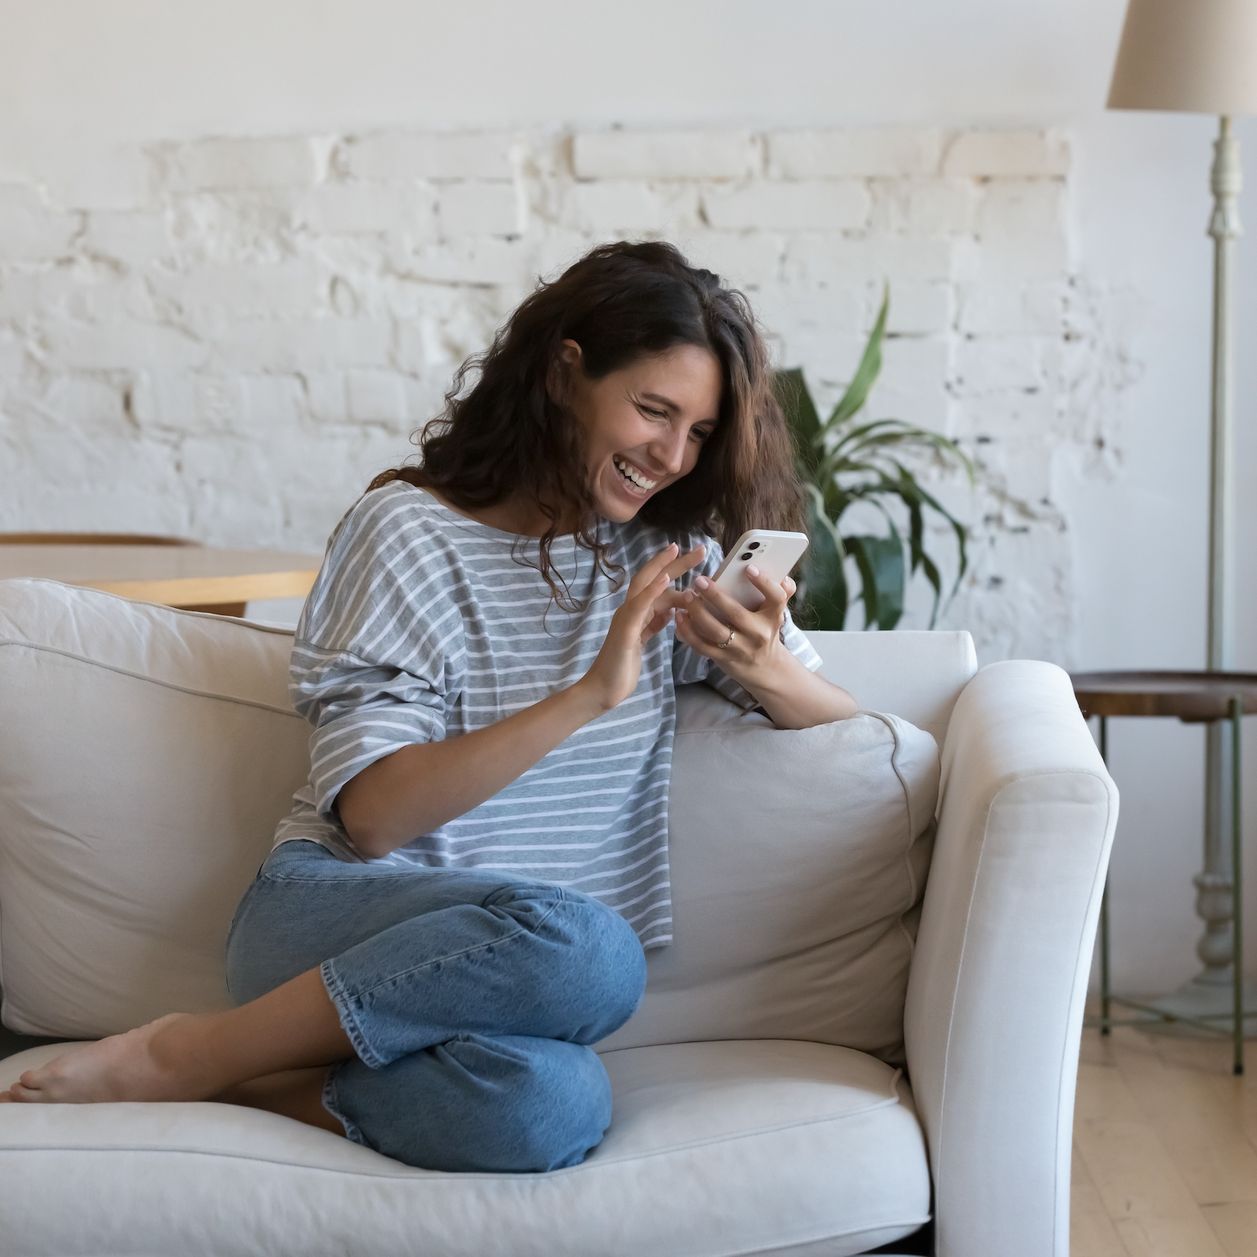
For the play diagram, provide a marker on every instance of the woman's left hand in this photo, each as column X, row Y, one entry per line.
column 704, row 621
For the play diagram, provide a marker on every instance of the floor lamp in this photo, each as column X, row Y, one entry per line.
column 1200, row 56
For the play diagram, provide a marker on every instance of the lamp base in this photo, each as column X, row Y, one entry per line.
column 1213, row 998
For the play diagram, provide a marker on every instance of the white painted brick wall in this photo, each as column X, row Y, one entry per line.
column 250, row 328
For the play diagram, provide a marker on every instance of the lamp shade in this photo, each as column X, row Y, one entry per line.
column 1194, row 56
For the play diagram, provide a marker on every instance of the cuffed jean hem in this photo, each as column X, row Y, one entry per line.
column 331, row 1103
column 348, row 1021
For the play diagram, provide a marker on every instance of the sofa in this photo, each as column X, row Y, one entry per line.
column 863, row 1039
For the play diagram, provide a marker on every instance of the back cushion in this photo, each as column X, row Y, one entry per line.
column 146, row 755
column 798, row 859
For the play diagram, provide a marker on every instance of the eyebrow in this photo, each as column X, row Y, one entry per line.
column 670, row 404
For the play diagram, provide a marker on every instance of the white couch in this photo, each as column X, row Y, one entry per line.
column 863, row 1038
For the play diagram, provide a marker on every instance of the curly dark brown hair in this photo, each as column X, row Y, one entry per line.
column 620, row 302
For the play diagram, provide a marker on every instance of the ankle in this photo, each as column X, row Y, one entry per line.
column 188, row 1045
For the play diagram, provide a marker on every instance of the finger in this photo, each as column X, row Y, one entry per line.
column 683, row 563
column 659, row 562
column 644, row 600
column 656, row 622
column 775, row 594
column 724, row 607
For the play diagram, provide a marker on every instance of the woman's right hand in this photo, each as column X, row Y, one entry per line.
column 645, row 610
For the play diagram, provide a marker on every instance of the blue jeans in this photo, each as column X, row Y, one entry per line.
column 470, row 998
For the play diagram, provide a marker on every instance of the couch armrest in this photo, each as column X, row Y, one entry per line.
column 992, row 1023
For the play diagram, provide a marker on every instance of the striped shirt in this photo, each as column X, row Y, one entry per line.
column 421, row 626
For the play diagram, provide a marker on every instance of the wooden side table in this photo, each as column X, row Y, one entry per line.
column 1195, row 698
column 192, row 577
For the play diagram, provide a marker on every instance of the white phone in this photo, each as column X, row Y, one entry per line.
column 774, row 553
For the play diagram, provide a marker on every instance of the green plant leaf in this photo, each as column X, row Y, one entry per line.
column 961, row 535
column 931, row 573
column 823, row 584
column 870, row 364
column 880, row 562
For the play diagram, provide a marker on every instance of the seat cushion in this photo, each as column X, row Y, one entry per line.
column 765, row 1146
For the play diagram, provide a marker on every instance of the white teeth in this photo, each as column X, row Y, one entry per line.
column 632, row 473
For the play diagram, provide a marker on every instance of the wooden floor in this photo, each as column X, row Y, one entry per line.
column 1165, row 1146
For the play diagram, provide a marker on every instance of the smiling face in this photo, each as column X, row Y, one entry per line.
column 646, row 423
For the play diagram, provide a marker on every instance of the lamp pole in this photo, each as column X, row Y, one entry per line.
column 1209, row 993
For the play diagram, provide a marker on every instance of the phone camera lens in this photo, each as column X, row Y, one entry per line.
column 752, row 545
column 747, row 555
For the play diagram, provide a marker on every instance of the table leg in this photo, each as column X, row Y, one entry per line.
column 1105, row 1028
column 1237, row 899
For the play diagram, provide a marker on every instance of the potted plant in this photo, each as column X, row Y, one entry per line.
column 841, row 463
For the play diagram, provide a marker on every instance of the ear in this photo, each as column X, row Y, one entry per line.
column 558, row 378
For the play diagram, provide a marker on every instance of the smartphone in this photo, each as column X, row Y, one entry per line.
column 774, row 553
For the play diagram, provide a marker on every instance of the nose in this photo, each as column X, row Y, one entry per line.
column 669, row 452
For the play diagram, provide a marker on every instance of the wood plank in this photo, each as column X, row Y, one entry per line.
column 1091, row 1230
column 1155, row 1236
column 1235, row 1225
column 1164, row 1144
column 1199, row 1116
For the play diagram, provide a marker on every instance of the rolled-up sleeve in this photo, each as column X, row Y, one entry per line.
column 688, row 666
column 371, row 660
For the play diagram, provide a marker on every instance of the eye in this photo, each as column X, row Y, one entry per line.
column 655, row 414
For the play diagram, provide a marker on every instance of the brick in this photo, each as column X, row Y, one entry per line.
column 998, row 414
column 98, row 177
column 670, row 154
column 468, row 260
column 1021, row 210
column 989, row 363
column 430, row 155
column 271, row 405
column 230, row 479
column 133, row 237
column 291, row 288
column 741, row 259
column 828, row 309
column 83, row 495
column 239, row 163
column 924, row 207
column 121, row 344
column 251, row 224
column 918, row 307
column 1003, row 308
column 480, row 209
column 610, row 207
column 324, row 395
column 998, row 261
column 185, row 401
column 842, row 259
column 802, row 205
column 84, row 403
column 298, row 344
column 1006, row 152
column 32, row 235
column 846, row 152
column 368, row 206
column 376, row 397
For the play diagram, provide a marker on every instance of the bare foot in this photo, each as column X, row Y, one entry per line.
column 162, row 1060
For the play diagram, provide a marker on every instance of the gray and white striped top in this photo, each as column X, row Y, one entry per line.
column 421, row 626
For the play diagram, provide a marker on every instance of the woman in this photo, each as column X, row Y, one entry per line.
column 436, row 997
